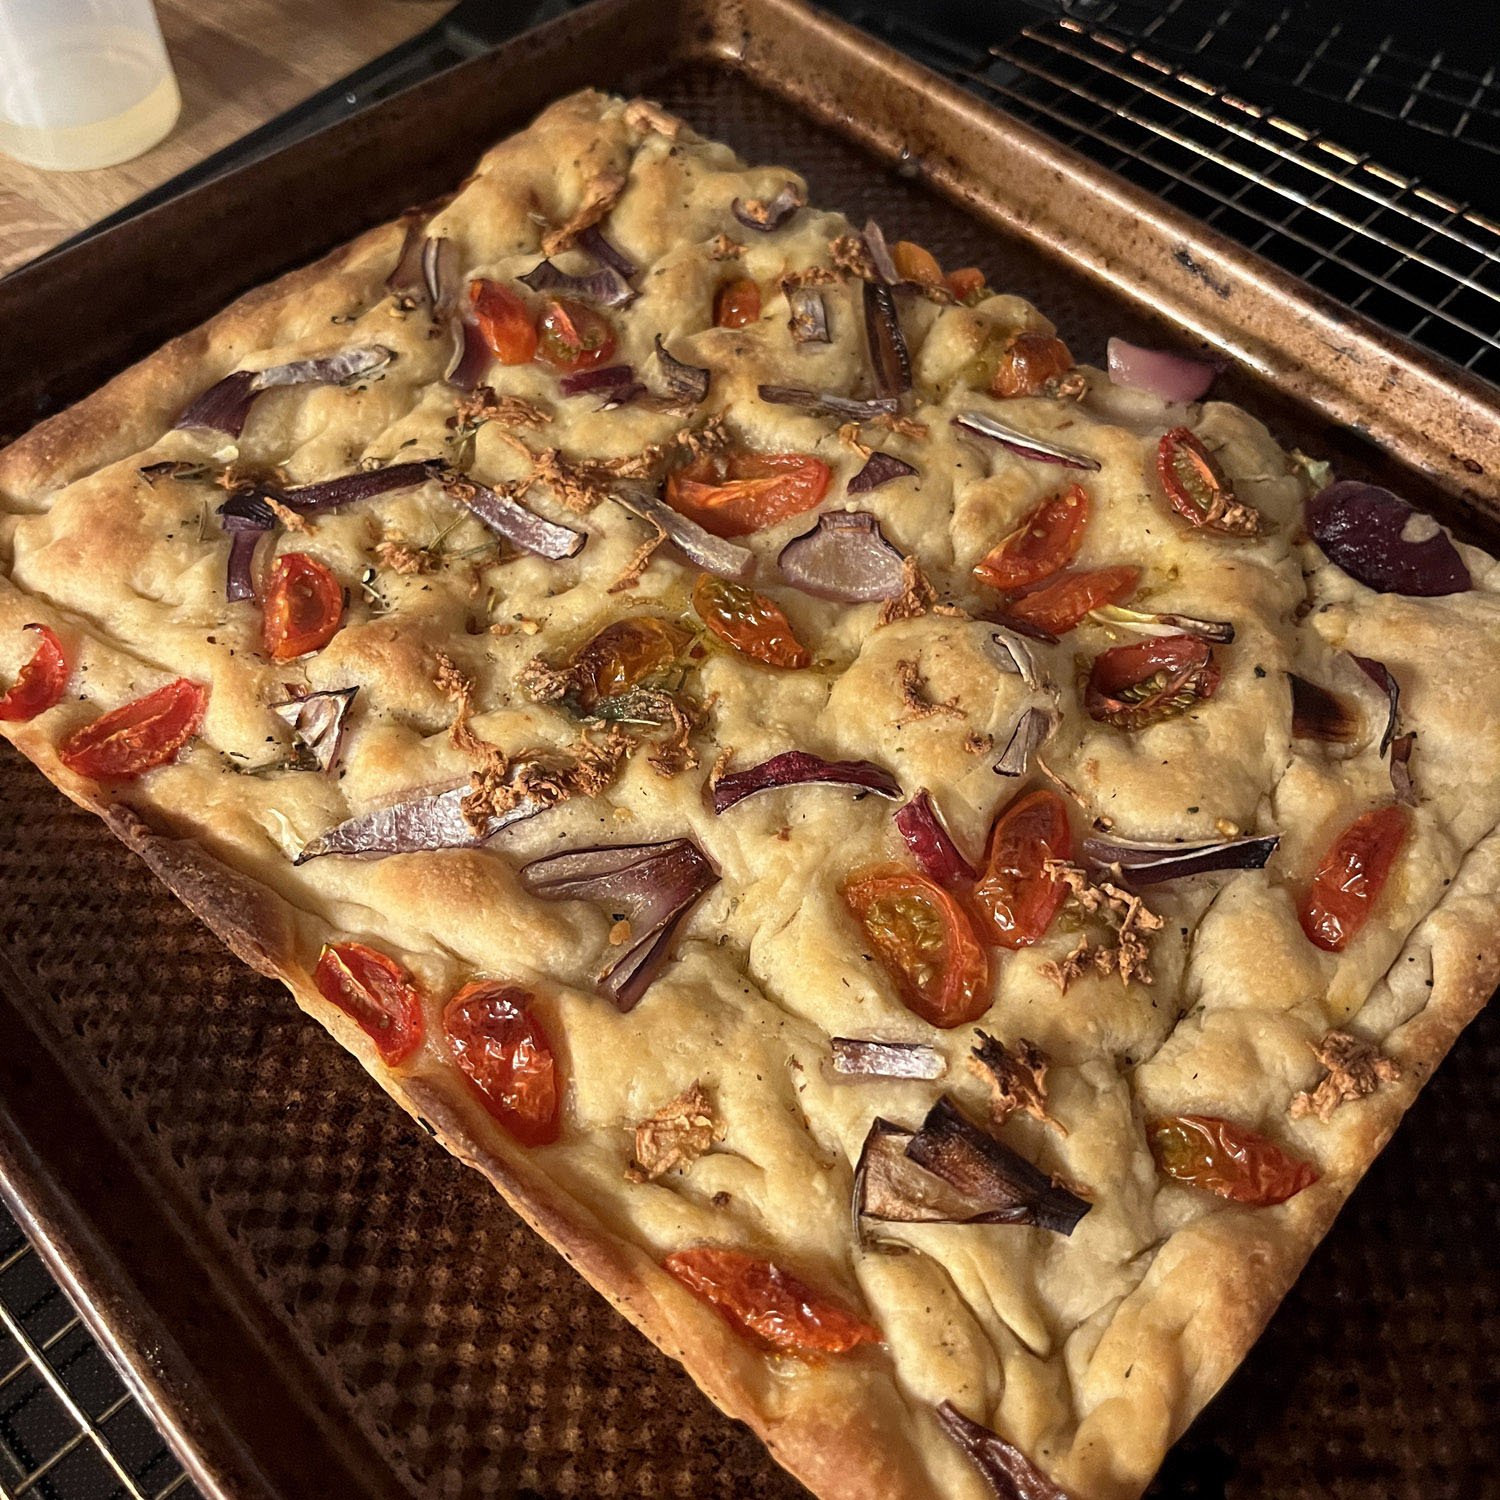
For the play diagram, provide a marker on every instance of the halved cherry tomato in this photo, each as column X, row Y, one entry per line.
column 138, row 736
column 757, row 1297
column 1198, row 488
column 505, row 322
column 751, row 623
column 737, row 304
column 926, row 943
column 1351, row 876
column 573, row 337
column 915, row 262
column 733, row 494
column 1230, row 1160
column 1060, row 604
column 1045, row 542
column 1141, row 683
column 39, row 684
column 503, row 1050
column 1016, row 898
column 304, row 607
column 623, row 655
column 1028, row 362
column 967, row 284
column 376, row 993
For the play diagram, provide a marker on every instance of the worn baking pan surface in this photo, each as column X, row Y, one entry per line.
column 300, row 1283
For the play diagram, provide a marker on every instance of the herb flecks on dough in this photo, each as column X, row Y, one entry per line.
column 1355, row 1069
column 1131, row 923
column 675, row 1135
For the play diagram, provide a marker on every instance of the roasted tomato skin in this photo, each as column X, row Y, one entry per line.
column 502, row 1048
column 1015, row 897
column 917, row 263
column 1060, row 604
column 573, row 337
column 925, row 941
column 967, row 284
column 376, row 993
column 505, row 322
column 138, row 736
column 623, row 655
column 760, row 1299
column 1043, row 544
column 1229, row 1160
column 1351, row 876
column 754, row 625
column 40, row 683
column 1027, row 363
column 1141, row 683
column 304, row 607
column 732, row 494
column 737, row 304
column 1197, row 488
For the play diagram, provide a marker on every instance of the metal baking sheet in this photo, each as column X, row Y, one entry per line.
column 296, row 1281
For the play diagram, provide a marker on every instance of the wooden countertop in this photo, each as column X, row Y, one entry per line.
column 239, row 63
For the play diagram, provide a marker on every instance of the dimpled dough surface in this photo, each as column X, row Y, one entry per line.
column 1089, row 1352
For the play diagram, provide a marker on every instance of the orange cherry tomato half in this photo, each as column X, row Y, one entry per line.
column 758, row 1298
column 925, row 942
column 1351, row 876
column 1147, row 681
column 737, row 304
column 138, row 736
column 505, row 322
column 623, row 655
column 1230, row 1160
column 502, row 1049
column 915, row 262
column 573, row 337
column 754, row 625
column 1029, row 361
column 967, row 284
column 376, row 993
column 1043, row 544
column 733, row 494
column 304, row 607
column 1060, row 604
column 39, row 684
column 1016, row 898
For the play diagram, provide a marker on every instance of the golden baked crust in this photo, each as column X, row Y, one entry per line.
column 1090, row 1352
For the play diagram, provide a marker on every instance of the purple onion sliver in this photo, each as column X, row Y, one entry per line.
column 1383, row 678
column 714, row 554
column 239, row 579
column 1037, row 449
column 592, row 240
column 318, row 722
column 598, row 378
column 684, row 381
column 890, row 359
column 406, row 280
column 470, row 358
column 1009, row 1473
column 1150, row 864
column 858, row 1057
column 930, row 843
column 606, row 286
column 362, row 484
column 880, row 253
column 223, row 407
column 1401, row 783
column 1361, row 529
column 418, row 824
column 880, row 468
column 808, row 323
column 828, row 403
column 774, row 211
column 800, row 768
column 1169, row 376
column 518, row 525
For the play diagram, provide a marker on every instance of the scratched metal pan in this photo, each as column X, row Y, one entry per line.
column 313, row 1299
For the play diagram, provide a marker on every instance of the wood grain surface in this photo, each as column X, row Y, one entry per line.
column 239, row 63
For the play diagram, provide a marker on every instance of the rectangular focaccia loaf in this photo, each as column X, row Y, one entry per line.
column 376, row 608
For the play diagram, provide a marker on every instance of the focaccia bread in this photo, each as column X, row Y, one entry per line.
column 925, row 872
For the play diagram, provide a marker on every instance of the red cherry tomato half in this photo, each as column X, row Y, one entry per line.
column 39, row 684
column 138, row 736
column 502, row 1049
column 1043, row 544
column 573, row 337
column 1016, row 898
column 737, row 304
column 1147, row 681
column 376, row 993
column 1230, row 1160
column 967, row 284
column 1060, row 604
column 304, row 607
column 733, row 494
column 505, row 322
column 757, row 1297
column 1198, row 488
column 1351, row 876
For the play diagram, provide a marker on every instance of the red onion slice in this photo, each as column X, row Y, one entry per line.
column 1141, row 622
column 684, row 381
column 890, row 360
column 714, row 554
column 1033, row 729
column 1015, row 657
column 1361, row 528
column 844, row 557
column 1150, row 863
column 881, row 260
column 800, row 768
column 406, row 280
column 880, row 468
column 1170, row 376
column 318, row 722
column 1037, row 449
column 440, row 278
column 763, row 216
column 418, row 824
column 931, row 844
column 362, row 484
column 470, row 357
column 225, row 405
column 1009, row 1473
column 808, row 323
column 856, row 1057
column 246, row 517
column 827, row 403
column 592, row 239
column 599, row 378
column 606, row 286
column 652, row 886
column 1382, row 677
column 518, row 525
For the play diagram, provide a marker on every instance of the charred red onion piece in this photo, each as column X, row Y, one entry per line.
column 1362, row 529
column 1320, row 715
column 417, row 824
column 827, row 403
column 880, row 468
column 362, row 484
column 246, row 517
column 225, row 406
column 881, row 259
column 931, row 844
column 844, row 557
column 772, row 213
column 606, row 286
column 651, row 886
column 856, row 1057
column 1170, row 376
column 1033, row 729
column 714, row 554
column 318, row 721
column 800, row 768
column 599, row 378
column 518, row 525
column 1039, row 450
column 684, row 381
column 890, row 359
column 1010, row 1474
column 1382, row 677
column 1149, row 863
column 809, row 315
column 592, row 239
